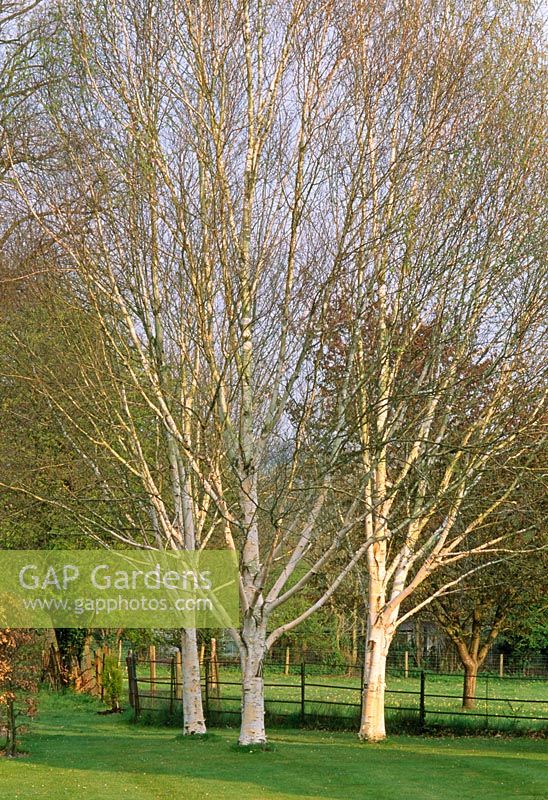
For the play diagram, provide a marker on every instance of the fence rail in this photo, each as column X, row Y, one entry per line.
column 156, row 684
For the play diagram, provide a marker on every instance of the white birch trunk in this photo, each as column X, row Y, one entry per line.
column 379, row 637
column 252, row 730
column 193, row 714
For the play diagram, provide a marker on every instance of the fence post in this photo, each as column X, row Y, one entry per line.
column 406, row 664
column 303, row 687
column 214, row 685
column 97, row 672
column 179, row 675
column 102, row 671
column 487, row 701
column 287, row 658
column 152, row 667
column 501, row 665
column 422, row 705
column 214, row 671
column 99, row 666
column 172, row 679
column 206, row 698
column 87, row 677
column 131, row 688
column 137, row 706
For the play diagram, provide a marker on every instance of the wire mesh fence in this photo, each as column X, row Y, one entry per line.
column 307, row 694
column 437, row 659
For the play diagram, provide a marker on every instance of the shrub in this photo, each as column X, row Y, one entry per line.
column 112, row 682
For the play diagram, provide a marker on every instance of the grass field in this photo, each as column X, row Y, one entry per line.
column 505, row 700
column 73, row 752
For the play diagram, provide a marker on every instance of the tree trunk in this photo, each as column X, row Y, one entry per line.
column 470, row 680
column 12, row 730
column 252, row 729
column 372, row 728
column 193, row 713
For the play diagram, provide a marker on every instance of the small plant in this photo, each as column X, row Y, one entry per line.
column 112, row 683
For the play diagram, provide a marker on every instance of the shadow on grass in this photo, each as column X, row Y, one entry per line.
column 71, row 739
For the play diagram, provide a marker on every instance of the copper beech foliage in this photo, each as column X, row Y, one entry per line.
column 19, row 674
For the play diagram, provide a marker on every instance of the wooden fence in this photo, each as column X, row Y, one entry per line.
column 84, row 676
column 149, row 692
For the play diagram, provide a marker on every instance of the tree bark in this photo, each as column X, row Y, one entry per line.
column 372, row 727
column 470, row 680
column 193, row 714
column 252, row 730
column 12, row 730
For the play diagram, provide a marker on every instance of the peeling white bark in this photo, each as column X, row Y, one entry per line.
column 252, row 730
column 193, row 714
column 372, row 727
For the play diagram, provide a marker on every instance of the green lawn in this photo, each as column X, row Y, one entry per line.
column 73, row 752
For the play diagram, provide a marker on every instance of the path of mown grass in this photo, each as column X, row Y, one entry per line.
column 73, row 752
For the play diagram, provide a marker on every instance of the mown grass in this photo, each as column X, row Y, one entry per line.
column 73, row 752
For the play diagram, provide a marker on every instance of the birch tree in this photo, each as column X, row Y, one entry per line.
column 239, row 183
column 448, row 280
column 203, row 212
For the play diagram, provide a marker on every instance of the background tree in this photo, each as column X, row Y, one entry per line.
column 482, row 608
column 500, row 594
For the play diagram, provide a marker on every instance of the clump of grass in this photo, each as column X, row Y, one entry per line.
column 223, row 719
column 199, row 737
column 406, row 722
column 263, row 747
column 478, row 726
column 161, row 717
column 397, row 722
